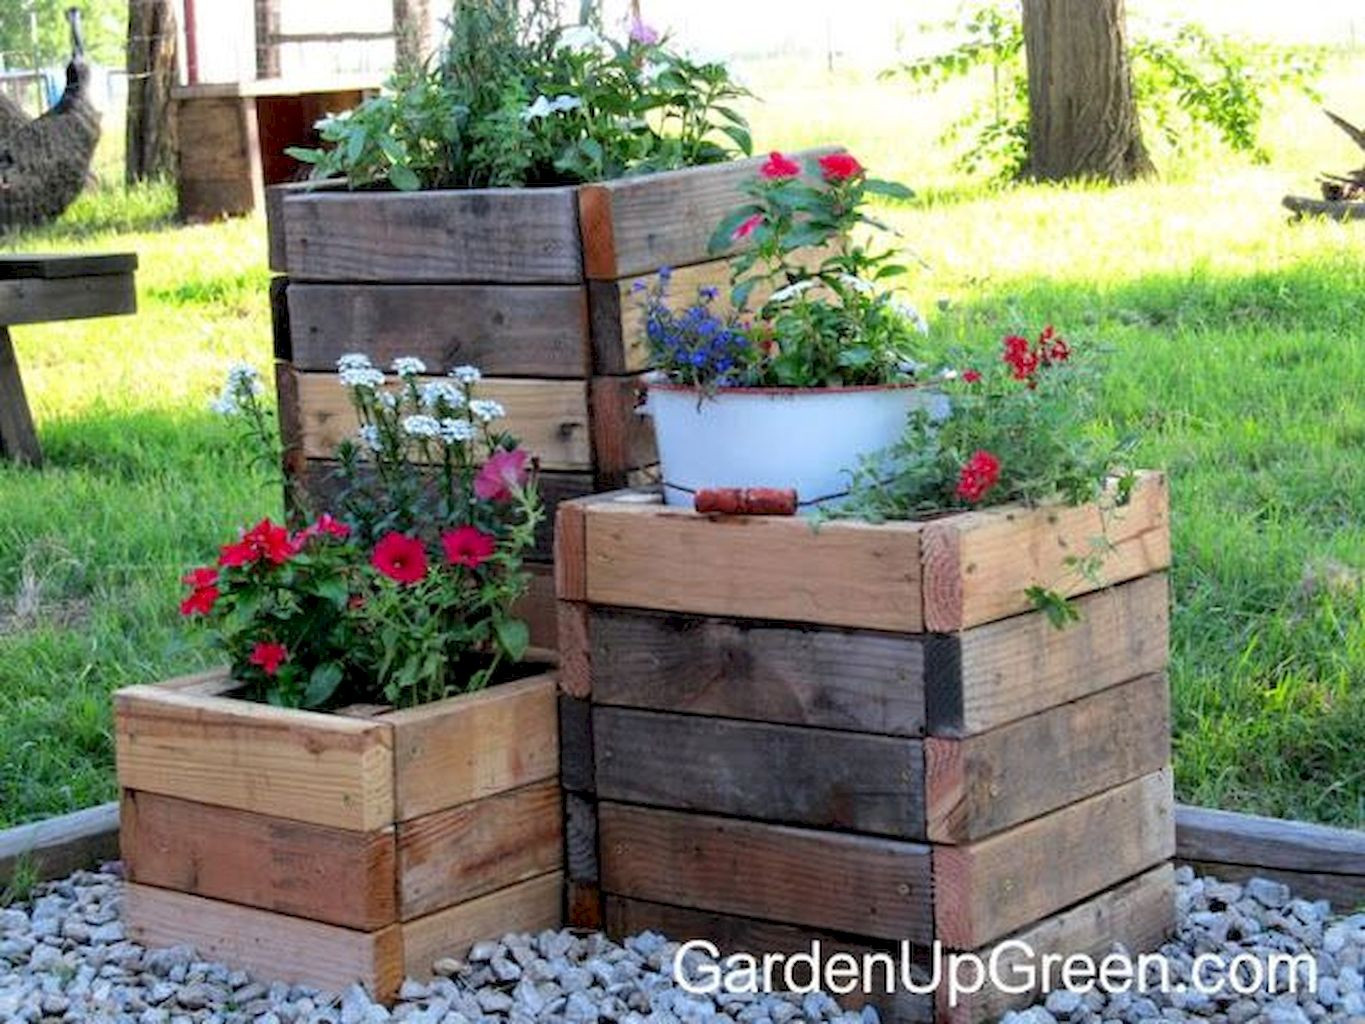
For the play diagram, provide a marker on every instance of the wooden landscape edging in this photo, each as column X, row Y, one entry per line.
column 55, row 847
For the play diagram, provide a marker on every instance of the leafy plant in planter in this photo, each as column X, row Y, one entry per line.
column 519, row 98
column 404, row 595
column 790, row 390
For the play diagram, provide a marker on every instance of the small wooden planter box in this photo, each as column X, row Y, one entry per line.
column 332, row 849
column 534, row 286
column 863, row 733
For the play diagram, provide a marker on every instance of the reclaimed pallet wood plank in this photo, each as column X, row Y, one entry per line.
column 36, row 300
column 1345, row 892
column 538, row 608
column 529, row 906
column 852, row 574
column 267, row 944
column 995, row 780
column 456, row 855
column 759, row 671
column 576, row 760
column 978, row 565
column 583, row 906
column 301, row 765
column 55, row 847
column 637, row 225
column 733, row 934
column 1139, row 913
column 987, row 889
column 820, row 778
column 517, row 236
column 332, row 875
column 1003, row 671
column 580, row 829
column 617, row 312
column 505, row 330
column 622, row 439
column 18, row 438
column 575, row 665
column 549, row 416
column 857, row 884
column 475, row 746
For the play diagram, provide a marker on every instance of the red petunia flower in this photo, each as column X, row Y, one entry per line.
column 468, row 546
column 978, row 476
column 200, row 578
column 266, row 541
column 200, row 602
column 1021, row 357
column 400, row 557
column 779, row 167
column 838, row 167
column 971, row 376
column 326, row 526
column 233, row 556
column 268, row 657
column 747, row 227
column 502, row 472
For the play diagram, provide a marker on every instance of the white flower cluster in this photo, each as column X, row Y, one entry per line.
column 421, row 426
column 467, row 374
column 356, row 371
column 409, row 366
column 793, row 290
column 243, row 382
column 369, row 436
column 437, row 393
column 545, row 107
column 486, row 409
column 456, row 431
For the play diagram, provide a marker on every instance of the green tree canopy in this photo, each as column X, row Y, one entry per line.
column 105, row 23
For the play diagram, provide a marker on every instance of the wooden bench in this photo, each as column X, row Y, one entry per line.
column 37, row 288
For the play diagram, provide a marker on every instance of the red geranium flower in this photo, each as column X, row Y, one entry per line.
column 1021, row 357
column 503, row 471
column 268, row 657
column 266, row 541
column 468, row 546
column 326, row 526
column 200, row 602
column 200, row 578
column 233, row 556
column 971, row 376
column 978, row 476
column 840, row 167
column 747, row 227
column 779, row 167
column 400, row 557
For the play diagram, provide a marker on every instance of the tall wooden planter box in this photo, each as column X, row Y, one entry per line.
column 534, row 286
column 332, row 849
column 773, row 732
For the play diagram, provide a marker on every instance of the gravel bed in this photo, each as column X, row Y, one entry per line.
column 64, row 957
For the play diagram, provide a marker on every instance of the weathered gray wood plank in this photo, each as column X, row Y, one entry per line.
column 58, row 846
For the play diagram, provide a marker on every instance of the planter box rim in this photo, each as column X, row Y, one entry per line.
column 653, row 384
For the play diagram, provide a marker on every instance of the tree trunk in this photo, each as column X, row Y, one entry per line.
column 412, row 31
column 1083, row 121
column 267, row 46
column 151, row 128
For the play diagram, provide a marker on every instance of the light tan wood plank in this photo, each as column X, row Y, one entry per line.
column 529, row 906
column 987, row 889
column 549, row 416
column 272, row 946
column 841, row 574
column 474, row 746
column 324, row 874
column 978, row 565
column 453, row 856
column 992, row 781
column 300, row 765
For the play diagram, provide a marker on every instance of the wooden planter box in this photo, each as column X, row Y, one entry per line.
column 332, row 849
column 534, row 286
column 861, row 733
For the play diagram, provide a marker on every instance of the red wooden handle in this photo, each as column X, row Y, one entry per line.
column 746, row 501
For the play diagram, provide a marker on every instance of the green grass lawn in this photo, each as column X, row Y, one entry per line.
column 1239, row 358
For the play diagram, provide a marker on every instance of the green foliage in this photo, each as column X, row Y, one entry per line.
column 23, row 880
column 518, row 99
column 104, row 23
column 1188, row 84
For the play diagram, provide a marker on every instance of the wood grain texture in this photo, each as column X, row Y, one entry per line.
column 280, row 340
column 530, row 906
column 580, row 834
column 266, row 944
column 780, row 773
column 18, row 439
column 56, row 847
column 293, row 460
column 850, row 573
column 1345, row 892
column 985, row 890
column 576, row 760
column 992, row 781
column 571, row 552
column 617, row 312
column 549, row 416
column 453, row 856
column 1003, row 671
column 46, row 300
column 759, row 671
column 978, row 565
column 325, row 874
column 1140, row 914
column 733, row 934
column 622, row 439
column 505, row 330
column 856, row 884
column 583, row 906
column 50, row 266
column 285, row 763
column 538, row 608
column 472, row 746
column 219, row 156
column 517, row 236
column 575, row 665
column 637, row 225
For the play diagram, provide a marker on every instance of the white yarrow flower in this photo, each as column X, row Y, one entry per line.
column 409, row 366
column 361, row 377
column 354, row 361
column 243, row 382
column 369, row 436
column 467, row 374
column 436, row 393
column 487, row 410
column 792, row 290
column 422, row 426
column 456, row 431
